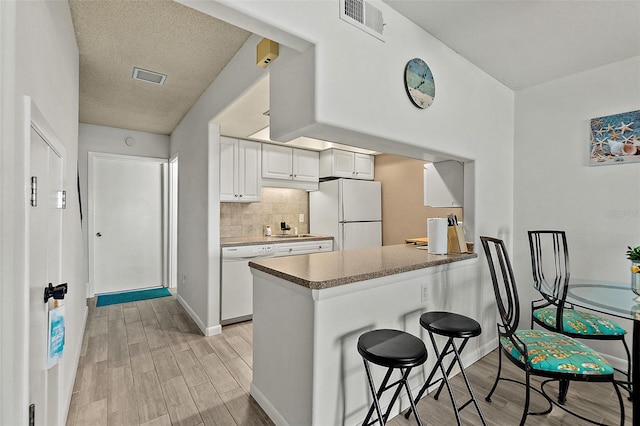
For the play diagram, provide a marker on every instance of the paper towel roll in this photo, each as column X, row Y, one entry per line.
column 437, row 234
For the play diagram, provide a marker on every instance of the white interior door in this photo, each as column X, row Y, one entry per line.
column 45, row 237
column 127, row 226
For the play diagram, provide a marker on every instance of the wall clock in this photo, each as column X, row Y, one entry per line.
column 418, row 81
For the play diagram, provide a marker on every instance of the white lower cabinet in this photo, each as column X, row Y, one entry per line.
column 240, row 175
column 306, row 247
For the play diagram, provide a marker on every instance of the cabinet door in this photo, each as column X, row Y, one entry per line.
column 342, row 163
column 444, row 184
column 306, row 165
column 277, row 162
column 228, row 173
column 363, row 166
column 249, row 165
column 292, row 249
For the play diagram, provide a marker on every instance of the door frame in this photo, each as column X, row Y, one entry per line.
column 92, row 158
column 14, row 381
column 172, row 264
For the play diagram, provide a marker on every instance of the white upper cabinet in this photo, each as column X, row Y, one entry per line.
column 240, row 176
column 346, row 164
column 306, row 165
column 363, row 166
column 444, row 184
column 285, row 163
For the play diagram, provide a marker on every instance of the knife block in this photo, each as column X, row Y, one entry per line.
column 455, row 239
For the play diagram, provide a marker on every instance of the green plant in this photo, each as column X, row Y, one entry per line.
column 633, row 254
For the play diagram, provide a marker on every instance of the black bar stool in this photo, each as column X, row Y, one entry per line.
column 452, row 326
column 392, row 349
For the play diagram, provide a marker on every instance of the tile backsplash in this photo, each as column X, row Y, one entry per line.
column 277, row 205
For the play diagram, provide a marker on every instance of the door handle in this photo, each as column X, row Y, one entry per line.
column 56, row 292
column 98, row 234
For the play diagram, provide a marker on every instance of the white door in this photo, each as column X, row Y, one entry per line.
column 361, row 200
column 355, row 235
column 126, row 217
column 45, row 232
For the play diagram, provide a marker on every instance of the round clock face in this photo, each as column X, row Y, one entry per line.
column 419, row 83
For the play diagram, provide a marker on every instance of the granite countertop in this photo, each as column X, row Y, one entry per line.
column 259, row 239
column 324, row 270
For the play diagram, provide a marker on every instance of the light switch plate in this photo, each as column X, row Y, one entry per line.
column 301, row 218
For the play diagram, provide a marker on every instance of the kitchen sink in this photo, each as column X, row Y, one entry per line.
column 292, row 235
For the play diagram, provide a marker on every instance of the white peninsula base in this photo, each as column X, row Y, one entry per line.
column 306, row 367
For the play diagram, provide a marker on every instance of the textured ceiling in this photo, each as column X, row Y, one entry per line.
column 191, row 48
column 520, row 43
column 523, row 43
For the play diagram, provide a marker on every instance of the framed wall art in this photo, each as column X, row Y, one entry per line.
column 615, row 139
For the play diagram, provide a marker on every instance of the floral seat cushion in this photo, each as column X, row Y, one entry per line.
column 580, row 322
column 556, row 353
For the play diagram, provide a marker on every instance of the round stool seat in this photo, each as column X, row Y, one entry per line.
column 450, row 324
column 392, row 348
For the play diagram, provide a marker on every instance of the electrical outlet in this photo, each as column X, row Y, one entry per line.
column 425, row 292
column 301, row 218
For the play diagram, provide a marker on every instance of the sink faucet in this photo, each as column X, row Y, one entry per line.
column 284, row 227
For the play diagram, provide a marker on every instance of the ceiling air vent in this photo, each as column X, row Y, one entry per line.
column 148, row 76
column 363, row 15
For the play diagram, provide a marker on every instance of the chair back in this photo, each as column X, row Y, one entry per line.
column 550, row 264
column 504, row 285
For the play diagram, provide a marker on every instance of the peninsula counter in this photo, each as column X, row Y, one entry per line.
column 309, row 311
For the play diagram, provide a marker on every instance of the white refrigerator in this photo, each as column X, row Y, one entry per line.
column 348, row 209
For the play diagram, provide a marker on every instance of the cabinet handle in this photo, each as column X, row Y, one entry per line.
column 295, row 175
column 235, row 195
column 240, row 195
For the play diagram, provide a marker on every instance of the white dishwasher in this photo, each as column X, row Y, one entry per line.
column 236, row 290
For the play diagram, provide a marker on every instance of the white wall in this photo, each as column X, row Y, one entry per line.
column 197, row 142
column 44, row 66
column 360, row 99
column 93, row 138
column 598, row 207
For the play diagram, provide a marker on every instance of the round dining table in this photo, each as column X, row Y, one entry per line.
column 616, row 299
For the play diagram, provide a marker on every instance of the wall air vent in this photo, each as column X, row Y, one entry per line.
column 148, row 76
column 361, row 14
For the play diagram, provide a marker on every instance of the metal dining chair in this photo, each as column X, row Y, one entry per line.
column 550, row 268
column 544, row 353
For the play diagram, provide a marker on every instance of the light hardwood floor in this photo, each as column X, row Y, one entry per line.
column 146, row 363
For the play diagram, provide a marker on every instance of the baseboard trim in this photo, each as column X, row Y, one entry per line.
column 207, row 331
column 266, row 405
column 76, row 359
